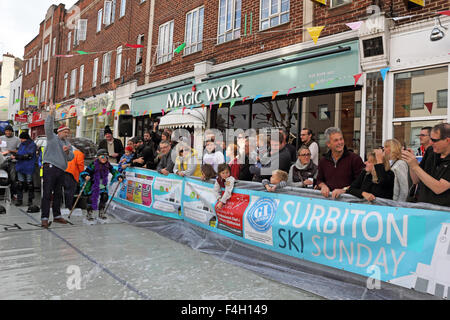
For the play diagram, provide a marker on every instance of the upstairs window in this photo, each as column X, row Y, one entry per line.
column 229, row 20
column 165, row 42
column 274, row 13
column 337, row 3
column 194, row 30
column 110, row 12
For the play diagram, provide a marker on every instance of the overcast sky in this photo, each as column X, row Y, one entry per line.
column 19, row 22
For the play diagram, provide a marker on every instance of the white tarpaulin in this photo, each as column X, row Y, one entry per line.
column 184, row 118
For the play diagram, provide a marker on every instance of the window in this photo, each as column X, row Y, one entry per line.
column 323, row 109
column 80, row 32
column 80, row 83
column 273, row 13
column 69, row 40
column 106, row 67
column 165, row 40
column 118, row 62
column 53, row 47
column 39, row 57
column 194, row 31
column 140, row 40
column 50, row 88
column 442, row 98
column 123, row 8
column 43, row 85
column 45, row 52
column 229, row 20
column 66, row 77
column 110, row 12
column 373, row 47
column 73, row 81
column 99, row 20
column 34, row 62
column 336, row 3
column 417, row 101
column 94, row 73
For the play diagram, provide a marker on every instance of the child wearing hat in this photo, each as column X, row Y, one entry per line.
column 125, row 161
column 96, row 178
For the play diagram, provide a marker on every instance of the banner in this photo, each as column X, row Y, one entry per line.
column 404, row 246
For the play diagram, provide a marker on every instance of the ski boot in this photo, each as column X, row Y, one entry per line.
column 102, row 214
column 90, row 215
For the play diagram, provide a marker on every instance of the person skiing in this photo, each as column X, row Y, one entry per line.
column 96, row 177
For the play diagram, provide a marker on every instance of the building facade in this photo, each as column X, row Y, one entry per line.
column 10, row 68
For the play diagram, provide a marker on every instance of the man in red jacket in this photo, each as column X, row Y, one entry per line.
column 339, row 168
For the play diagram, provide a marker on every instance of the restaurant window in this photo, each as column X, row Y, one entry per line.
column 419, row 95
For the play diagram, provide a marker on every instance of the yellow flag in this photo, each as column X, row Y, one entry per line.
column 419, row 2
column 21, row 112
column 314, row 32
column 321, row 1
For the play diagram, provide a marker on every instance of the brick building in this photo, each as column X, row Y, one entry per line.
column 238, row 50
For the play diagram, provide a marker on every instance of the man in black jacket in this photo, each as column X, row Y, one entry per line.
column 280, row 158
column 113, row 145
column 144, row 156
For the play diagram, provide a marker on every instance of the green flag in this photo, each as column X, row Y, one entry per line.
column 180, row 48
column 82, row 52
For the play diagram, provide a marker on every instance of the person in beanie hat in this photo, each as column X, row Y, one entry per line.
column 26, row 160
column 57, row 154
column 113, row 146
column 10, row 144
column 96, row 175
column 125, row 161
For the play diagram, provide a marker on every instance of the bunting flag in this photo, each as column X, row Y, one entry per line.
column 354, row 25
column 21, row 112
column 331, row 81
column 82, row 52
column 210, row 106
column 203, row 106
column 312, row 85
column 445, row 13
column 180, row 48
column 328, row 114
column 232, row 117
column 245, row 98
column 314, row 114
column 314, row 32
column 406, row 107
column 324, row 2
column 274, row 94
column 289, row 91
column 150, row 114
column 254, row 116
column 220, row 105
column 418, row 2
column 134, row 46
column 244, row 116
column 232, row 103
column 268, row 116
column 429, row 106
column 257, row 97
column 384, row 72
column 162, row 111
column 357, row 77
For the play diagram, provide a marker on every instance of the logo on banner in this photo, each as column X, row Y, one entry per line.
column 261, row 214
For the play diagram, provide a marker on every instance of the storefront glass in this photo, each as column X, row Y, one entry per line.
column 374, row 111
column 94, row 126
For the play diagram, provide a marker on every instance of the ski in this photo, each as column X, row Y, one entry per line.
column 39, row 225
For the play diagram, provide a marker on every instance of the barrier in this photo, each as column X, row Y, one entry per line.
column 403, row 245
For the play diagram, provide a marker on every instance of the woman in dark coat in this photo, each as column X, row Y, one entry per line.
column 377, row 180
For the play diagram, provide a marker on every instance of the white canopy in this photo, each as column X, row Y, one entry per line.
column 190, row 118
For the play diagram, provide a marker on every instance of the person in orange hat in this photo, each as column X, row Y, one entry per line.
column 72, row 177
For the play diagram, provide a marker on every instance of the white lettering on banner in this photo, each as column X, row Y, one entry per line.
column 224, row 92
column 361, row 259
column 331, row 217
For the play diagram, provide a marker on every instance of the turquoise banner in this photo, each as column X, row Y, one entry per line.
column 405, row 246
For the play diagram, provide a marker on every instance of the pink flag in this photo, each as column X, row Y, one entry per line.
column 354, row 25
column 290, row 90
column 445, row 13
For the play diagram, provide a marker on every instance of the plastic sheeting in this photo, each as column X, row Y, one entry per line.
column 318, row 279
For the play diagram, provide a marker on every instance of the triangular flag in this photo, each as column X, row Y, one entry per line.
column 162, row 111
column 312, row 85
column 429, row 106
column 232, row 103
column 135, row 46
column 328, row 114
column 244, row 116
column 357, row 77
column 274, row 94
column 445, row 13
column 289, row 91
column 354, row 25
column 268, row 116
column 314, row 114
column 314, row 32
column 232, row 117
column 384, row 72
column 405, row 106
column 245, row 98
column 254, row 116
column 321, row 1
column 257, row 97
column 203, row 106
column 82, row 52
column 180, row 48
column 210, row 106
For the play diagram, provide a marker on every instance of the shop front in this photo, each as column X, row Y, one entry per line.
column 96, row 113
column 36, row 125
column 67, row 115
column 314, row 89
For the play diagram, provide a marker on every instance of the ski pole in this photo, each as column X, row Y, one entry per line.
column 78, row 198
column 112, row 196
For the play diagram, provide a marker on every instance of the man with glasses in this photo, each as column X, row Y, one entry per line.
column 433, row 174
column 306, row 137
column 166, row 164
column 425, row 141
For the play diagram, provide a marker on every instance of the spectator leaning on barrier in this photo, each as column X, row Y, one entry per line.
column 339, row 167
column 393, row 151
column 306, row 137
column 165, row 165
column 213, row 156
column 377, row 180
column 186, row 163
column 277, row 181
column 143, row 156
column 303, row 172
column 226, row 181
column 433, row 176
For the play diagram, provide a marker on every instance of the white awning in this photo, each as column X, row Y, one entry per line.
column 190, row 118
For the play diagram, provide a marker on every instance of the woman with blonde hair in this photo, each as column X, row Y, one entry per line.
column 377, row 180
column 393, row 152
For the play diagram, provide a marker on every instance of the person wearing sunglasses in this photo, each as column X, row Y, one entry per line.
column 425, row 141
column 304, row 171
column 96, row 190
column 433, row 173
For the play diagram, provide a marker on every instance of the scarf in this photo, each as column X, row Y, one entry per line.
column 302, row 172
column 101, row 172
